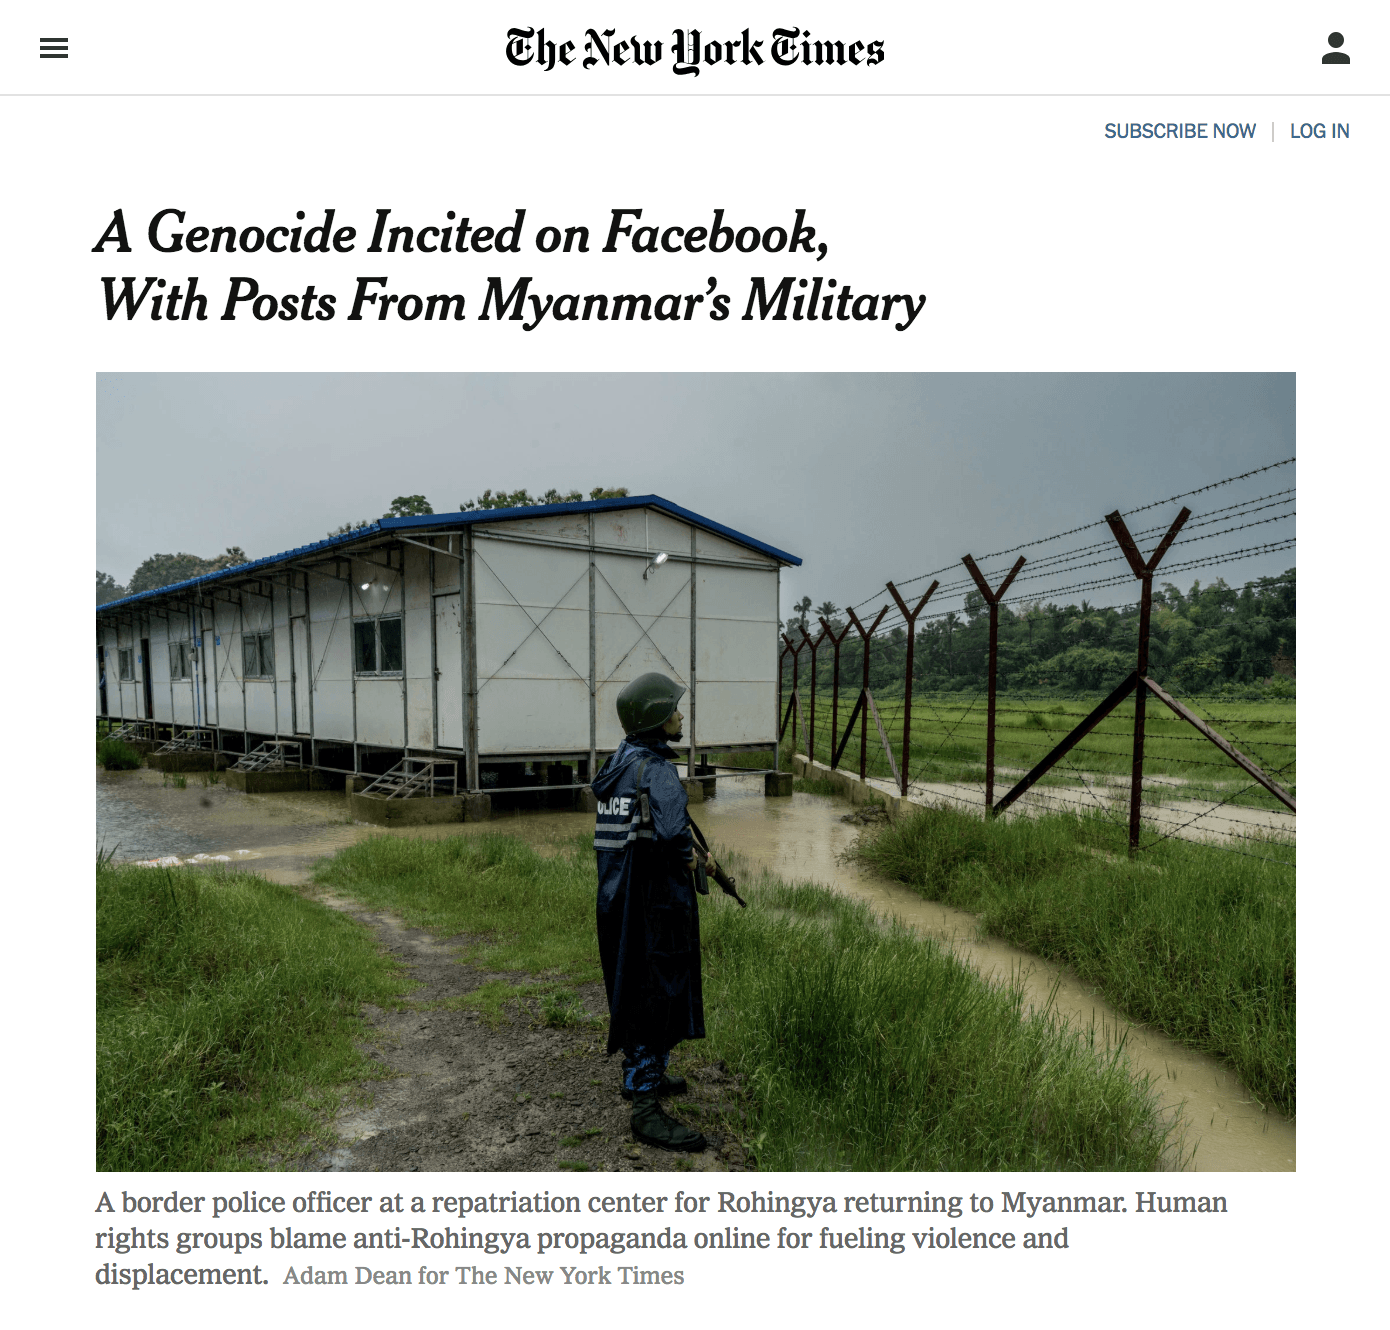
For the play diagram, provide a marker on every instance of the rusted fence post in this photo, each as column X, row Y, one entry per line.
column 795, row 653
column 992, row 599
column 862, row 706
column 781, row 724
column 911, row 617
column 813, row 645
column 1144, row 571
column 835, row 691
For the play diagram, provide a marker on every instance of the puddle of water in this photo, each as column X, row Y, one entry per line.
column 799, row 839
column 135, row 831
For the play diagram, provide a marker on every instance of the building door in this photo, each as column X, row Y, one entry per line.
column 145, row 675
column 300, row 678
column 101, row 676
column 448, row 671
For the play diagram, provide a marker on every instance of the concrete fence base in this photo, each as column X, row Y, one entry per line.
column 848, row 785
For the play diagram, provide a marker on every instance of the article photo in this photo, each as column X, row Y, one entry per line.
column 540, row 773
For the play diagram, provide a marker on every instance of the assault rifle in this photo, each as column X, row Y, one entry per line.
column 728, row 884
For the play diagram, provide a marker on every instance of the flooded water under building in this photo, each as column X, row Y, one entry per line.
column 799, row 839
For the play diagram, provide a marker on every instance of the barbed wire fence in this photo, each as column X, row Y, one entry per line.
column 1156, row 758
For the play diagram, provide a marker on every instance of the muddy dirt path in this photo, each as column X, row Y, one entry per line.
column 465, row 1095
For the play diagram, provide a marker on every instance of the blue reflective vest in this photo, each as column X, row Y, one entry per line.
column 648, row 922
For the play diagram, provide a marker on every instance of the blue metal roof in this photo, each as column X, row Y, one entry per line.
column 445, row 521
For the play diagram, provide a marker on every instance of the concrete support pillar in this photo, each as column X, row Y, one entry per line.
column 777, row 784
column 477, row 807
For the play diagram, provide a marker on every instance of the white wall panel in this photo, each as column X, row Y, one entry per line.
column 735, row 713
column 226, row 664
column 260, row 706
column 418, row 630
column 380, row 713
column 333, row 711
column 568, row 527
column 532, row 618
column 377, row 578
column 533, row 715
column 299, row 662
column 284, row 664
column 710, row 546
column 330, row 631
column 449, row 661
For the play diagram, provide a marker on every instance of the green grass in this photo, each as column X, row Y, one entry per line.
column 948, row 742
column 864, row 1046
column 226, row 1007
column 516, row 909
column 1189, row 937
column 117, row 755
column 868, row 1048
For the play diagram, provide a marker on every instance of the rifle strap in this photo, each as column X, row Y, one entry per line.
column 644, row 802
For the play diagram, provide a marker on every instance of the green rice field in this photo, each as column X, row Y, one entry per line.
column 948, row 742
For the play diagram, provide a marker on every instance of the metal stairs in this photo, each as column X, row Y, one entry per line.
column 416, row 778
column 273, row 755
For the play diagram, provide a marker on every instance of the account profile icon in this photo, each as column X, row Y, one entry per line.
column 1336, row 56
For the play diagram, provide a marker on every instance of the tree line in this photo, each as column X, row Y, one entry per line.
column 1201, row 640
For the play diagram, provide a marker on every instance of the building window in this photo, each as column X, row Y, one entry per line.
column 180, row 658
column 127, row 662
column 377, row 646
column 258, row 655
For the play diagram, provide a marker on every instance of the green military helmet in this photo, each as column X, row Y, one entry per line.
column 648, row 701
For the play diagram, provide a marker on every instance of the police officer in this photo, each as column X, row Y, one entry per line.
column 648, row 923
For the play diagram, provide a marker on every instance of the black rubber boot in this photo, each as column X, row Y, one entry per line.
column 652, row 1125
column 669, row 1085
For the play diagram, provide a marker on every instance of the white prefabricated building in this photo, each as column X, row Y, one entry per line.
column 489, row 637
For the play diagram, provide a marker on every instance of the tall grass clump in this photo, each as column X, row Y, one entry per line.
column 870, row 1048
column 864, row 1046
column 1188, row 937
column 225, row 1008
column 117, row 755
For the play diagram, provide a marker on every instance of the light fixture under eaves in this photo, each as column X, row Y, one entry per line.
column 655, row 563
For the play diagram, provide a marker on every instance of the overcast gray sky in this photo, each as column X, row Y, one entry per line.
column 865, row 477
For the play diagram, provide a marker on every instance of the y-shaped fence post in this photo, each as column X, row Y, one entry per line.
column 1144, row 571
column 865, row 634
column 835, row 691
column 992, row 599
column 911, row 617
column 795, row 652
column 811, row 741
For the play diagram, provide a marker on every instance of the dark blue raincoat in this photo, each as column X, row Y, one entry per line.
column 648, row 923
